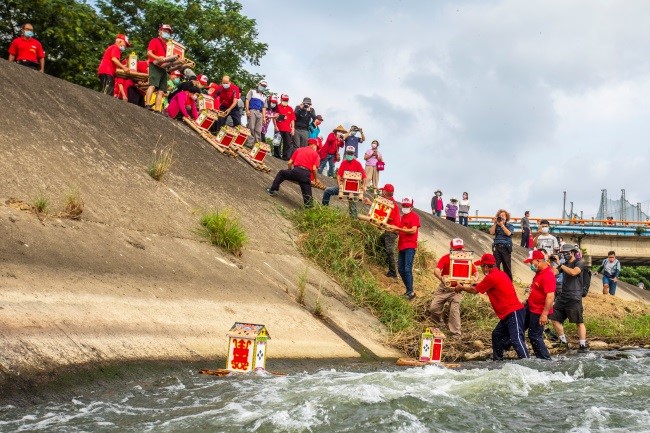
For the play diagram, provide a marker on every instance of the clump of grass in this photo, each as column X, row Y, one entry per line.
column 162, row 161
column 343, row 247
column 318, row 306
column 40, row 204
column 224, row 231
column 302, row 285
column 73, row 205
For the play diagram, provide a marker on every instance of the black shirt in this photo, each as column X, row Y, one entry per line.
column 572, row 286
column 304, row 117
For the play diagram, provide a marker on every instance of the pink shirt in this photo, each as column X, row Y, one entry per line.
column 178, row 103
column 372, row 161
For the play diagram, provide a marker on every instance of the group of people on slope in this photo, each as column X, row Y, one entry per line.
column 454, row 210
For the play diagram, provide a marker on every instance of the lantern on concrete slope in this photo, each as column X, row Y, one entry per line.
column 244, row 133
column 247, row 347
column 259, row 152
column 206, row 119
column 226, row 136
column 205, row 102
column 431, row 345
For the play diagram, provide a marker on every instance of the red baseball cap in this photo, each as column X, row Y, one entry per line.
column 457, row 244
column 202, row 79
column 486, row 259
column 176, row 73
column 388, row 188
column 165, row 27
column 312, row 141
column 407, row 202
column 124, row 38
column 534, row 255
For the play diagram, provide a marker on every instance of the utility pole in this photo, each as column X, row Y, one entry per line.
column 564, row 205
column 638, row 211
column 623, row 206
column 603, row 205
column 571, row 211
column 581, row 214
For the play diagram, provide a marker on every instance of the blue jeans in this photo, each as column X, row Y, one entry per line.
column 510, row 332
column 462, row 219
column 611, row 283
column 536, row 335
column 405, row 268
column 334, row 190
column 330, row 159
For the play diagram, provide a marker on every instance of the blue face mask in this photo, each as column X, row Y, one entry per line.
column 29, row 33
column 261, row 89
column 349, row 157
column 122, row 48
column 165, row 35
column 176, row 80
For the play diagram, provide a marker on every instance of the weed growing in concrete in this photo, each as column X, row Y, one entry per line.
column 73, row 205
column 224, row 231
column 162, row 161
column 302, row 285
column 318, row 306
column 342, row 246
column 40, row 204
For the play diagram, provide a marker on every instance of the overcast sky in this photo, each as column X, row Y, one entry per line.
column 512, row 101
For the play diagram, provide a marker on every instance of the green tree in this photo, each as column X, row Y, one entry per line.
column 215, row 33
column 73, row 35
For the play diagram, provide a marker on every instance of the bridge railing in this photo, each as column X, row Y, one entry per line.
column 579, row 226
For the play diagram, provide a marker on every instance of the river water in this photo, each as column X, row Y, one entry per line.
column 597, row 392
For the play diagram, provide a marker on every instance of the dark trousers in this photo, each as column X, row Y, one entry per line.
column 405, row 267
column 463, row 220
column 502, row 253
column 388, row 240
column 235, row 115
column 107, row 84
column 34, row 65
column 450, row 218
column 509, row 332
column 525, row 234
column 135, row 97
column 287, row 145
column 536, row 335
column 298, row 174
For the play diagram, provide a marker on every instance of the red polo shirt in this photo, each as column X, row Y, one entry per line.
column 405, row 240
column 158, row 46
column 499, row 288
column 26, row 49
column 106, row 66
column 331, row 146
column 284, row 125
column 226, row 96
column 543, row 283
column 394, row 218
column 353, row 165
column 305, row 157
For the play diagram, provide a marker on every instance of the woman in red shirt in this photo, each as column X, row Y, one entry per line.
column 330, row 149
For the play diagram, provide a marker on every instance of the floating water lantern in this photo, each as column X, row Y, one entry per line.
column 431, row 345
column 247, row 347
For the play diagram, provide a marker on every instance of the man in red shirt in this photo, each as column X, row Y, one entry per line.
column 407, row 243
column 330, row 149
column 228, row 94
column 540, row 302
column 156, row 53
column 27, row 51
column 350, row 163
column 110, row 62
column 286, row 124
column 302, row 167
column 389, row 237
column 498, row 286
column 446, row 294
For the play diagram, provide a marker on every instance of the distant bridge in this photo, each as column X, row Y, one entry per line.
column 629, row 239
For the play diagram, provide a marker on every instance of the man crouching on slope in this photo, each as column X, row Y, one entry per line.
column 498, row 286
column 302, row 169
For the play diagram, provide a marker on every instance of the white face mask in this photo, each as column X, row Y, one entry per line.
column 273, row 105
column 285, row 103
column 374, row 145
column 545, row 229
column 406, row 210
column 226, row 85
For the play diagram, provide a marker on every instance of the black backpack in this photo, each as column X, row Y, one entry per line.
column 586, row 281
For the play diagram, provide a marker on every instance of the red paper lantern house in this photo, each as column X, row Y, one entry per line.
column 206, row 119
column 352, row 186
column 247, row 347
column 244, row 133
column 259, row 152
column 460, row 267
column 431, row 345
column 226, row 136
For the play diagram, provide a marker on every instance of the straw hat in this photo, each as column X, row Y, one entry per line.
column 340, row 128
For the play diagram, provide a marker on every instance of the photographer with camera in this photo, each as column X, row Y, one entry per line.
column 502, row 230
column 568, row 303
column 355, row 137
column 305, row 115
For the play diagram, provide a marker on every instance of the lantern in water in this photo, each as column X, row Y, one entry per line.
column 247, row 347
column 431, row 345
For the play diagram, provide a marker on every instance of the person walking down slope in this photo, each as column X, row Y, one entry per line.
column 611, row 269
column 302, row 169
column 110, row 63
column 372, row 157
column 446, row 294
column 451, row 210
column 437, row 204
column 407, row 244
column 349, row 163
column 511, row 313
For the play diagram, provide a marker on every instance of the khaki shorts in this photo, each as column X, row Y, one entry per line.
column 158, row 77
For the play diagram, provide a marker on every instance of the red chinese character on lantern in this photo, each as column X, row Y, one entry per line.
column 240, row 354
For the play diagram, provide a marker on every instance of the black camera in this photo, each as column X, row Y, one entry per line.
column 553, row 258
column 499, row 219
